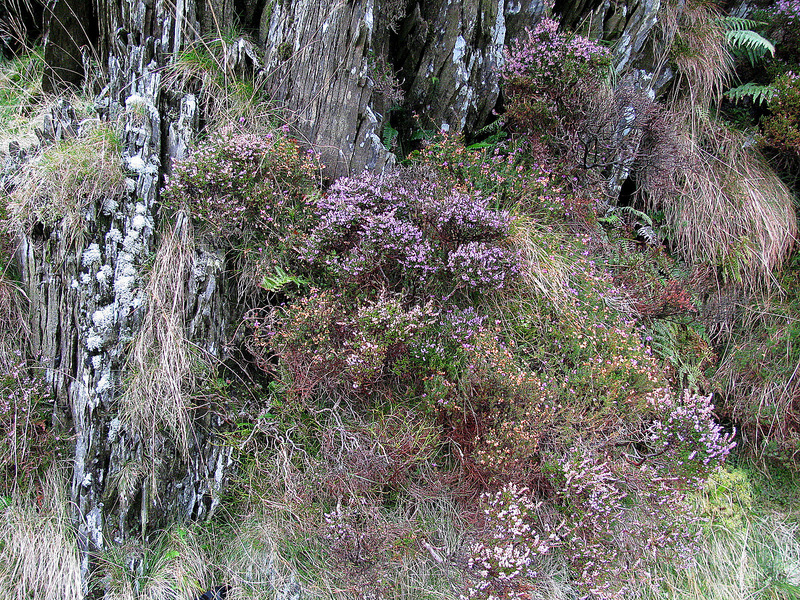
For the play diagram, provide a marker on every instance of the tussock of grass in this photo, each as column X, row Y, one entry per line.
column 759, row 560
column 733, row 212
column 228, row 73
column 157, row 397
column 543, row 271
column 700, row 51
column 60, row 184
column 38, row 553
column 14, row 325
column 20, row 91
column 175, row 566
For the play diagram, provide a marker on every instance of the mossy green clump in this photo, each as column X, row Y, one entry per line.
column 727, row 498
column 20, row 91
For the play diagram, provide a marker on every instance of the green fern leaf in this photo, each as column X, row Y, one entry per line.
column 281, row 279
column 389, row 136
column 760, row 94
column 750, row 41
column 740, row 24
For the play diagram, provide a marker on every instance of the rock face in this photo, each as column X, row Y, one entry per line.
column 334, row 67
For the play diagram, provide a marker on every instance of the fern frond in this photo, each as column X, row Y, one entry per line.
column 739, row 24
column 750, row 41
column 637, row 213
column 281, row 279
column 650, row 235
column 760, row 94
column 491, row 128
column 389, row 136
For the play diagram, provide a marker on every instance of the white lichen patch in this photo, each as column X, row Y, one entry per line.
column 103, row 320
column 105, row 275
column 109, row 206
column 114, row 235
column 104, row 383
column 91, row 256
column 135, row 163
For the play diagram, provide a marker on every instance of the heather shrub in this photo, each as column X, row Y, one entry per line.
column 689, row 443
column 553, row 80
column 239, row 186
column 624, row 512
column 27, row 442
column 321, row 340
column 393, row 231
column 504, row 561
column 509, row 174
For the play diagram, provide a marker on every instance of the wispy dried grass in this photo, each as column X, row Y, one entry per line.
column 759, row 376
column 733, row 211
column 21, row 94
column 693, row 35
column 59, row 185
column 39, row 558
column 157, row 397
column 14, row 326
column 229, row 76
column 758, row 560
column 544, row 272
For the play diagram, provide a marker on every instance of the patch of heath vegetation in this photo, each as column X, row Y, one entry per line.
column 477, row 375
column 479, row 332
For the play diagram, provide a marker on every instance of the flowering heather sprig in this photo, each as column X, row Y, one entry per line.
column 463, row 325
column 550, row 66
column 481, row 266
column 788, row 9
column 355, row 531
column 385, row 230
column 550, row 57
column 465, row 218
column 687, row 436
column 237, row 181
column 505, row 559
column 23, row 429
column 621, row 518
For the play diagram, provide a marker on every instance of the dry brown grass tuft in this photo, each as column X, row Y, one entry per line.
column 695, row 37
column 544, row 271
column 39, row 557
column 59, row 185
column 727, row 209
column 733, row 211
column 157, row 397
